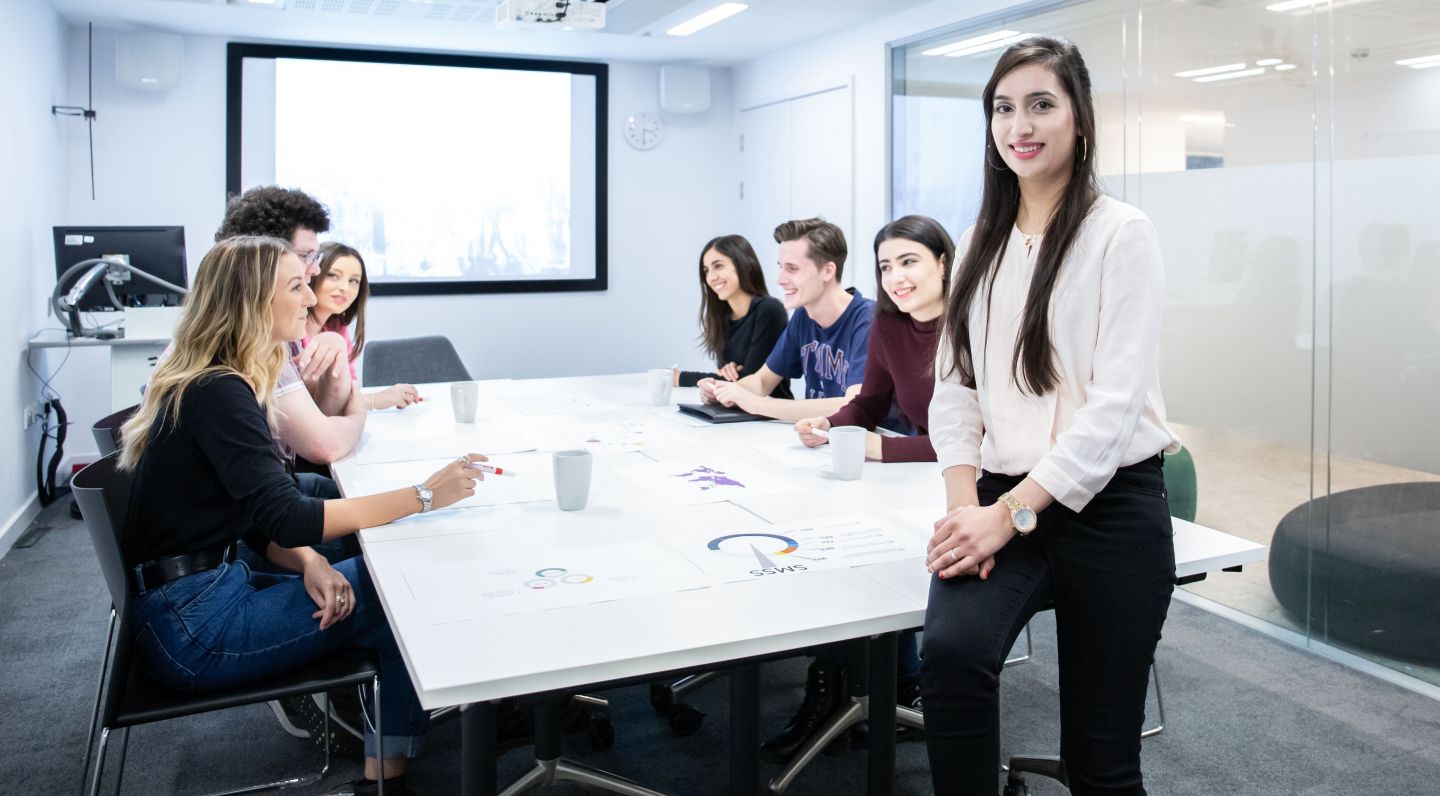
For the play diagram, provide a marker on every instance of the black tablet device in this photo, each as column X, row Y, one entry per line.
column 715, row 413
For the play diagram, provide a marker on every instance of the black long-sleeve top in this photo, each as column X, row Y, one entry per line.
column 215, row 477
column 749, row 341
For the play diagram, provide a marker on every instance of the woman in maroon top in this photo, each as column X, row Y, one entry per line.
column 912, row 267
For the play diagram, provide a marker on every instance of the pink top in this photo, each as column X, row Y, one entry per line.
column 334, row 325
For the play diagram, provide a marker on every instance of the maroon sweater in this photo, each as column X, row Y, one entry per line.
column 899, row 370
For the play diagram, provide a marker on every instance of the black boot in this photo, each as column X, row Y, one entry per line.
column 824, row 692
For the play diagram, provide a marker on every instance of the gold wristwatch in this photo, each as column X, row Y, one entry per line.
column 1021, row 515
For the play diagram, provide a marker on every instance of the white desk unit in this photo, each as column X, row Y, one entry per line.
column 477, row 659
column 131, row 360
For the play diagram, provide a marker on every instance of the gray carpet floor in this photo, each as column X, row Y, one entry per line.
column 1245, row 714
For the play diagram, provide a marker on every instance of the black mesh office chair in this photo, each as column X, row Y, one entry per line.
column 126, row 696
column 413, row 360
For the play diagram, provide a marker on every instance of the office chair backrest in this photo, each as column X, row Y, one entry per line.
column 107, row 430
column 103, row 492
column 414, row 360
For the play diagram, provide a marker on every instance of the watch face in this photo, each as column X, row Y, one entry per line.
column 1025, row 520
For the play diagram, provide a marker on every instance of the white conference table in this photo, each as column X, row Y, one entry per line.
column 458, row 659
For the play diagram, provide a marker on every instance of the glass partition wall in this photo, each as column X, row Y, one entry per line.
column 1287, row 151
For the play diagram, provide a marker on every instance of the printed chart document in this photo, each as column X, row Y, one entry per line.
column 697, row 478
column 534, row 479
column 539, row 580
column 619, row 436
column 787, row 549
column 438, row 440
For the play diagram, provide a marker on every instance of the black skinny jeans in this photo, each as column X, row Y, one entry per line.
column 1109, row 570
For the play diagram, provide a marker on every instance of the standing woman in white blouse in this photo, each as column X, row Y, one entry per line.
column 1047, row 390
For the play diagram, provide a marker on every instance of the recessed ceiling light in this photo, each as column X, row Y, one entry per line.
column 1426, row 65
column 1291, row 5
column 1284, row 67
column 1269, row 61
column 974, row 41
column 1211, row 70
column 1230, row 75
column 271, row 4
column 706, row 18
column 994, row 45
column 1418, row 60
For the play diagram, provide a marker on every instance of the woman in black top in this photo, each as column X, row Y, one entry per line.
column 739, row 320
column 207, row 473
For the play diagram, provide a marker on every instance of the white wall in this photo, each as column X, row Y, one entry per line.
column 160, row 159
column 859, row 54
column 32, row 173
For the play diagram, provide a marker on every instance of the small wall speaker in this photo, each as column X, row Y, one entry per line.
column 148, row 61
column 684, row 89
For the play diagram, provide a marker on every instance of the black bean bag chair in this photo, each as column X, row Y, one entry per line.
column 1364, row 564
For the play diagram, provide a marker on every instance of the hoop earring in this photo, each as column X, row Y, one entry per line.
column 1001, row 167
column 1084, row 151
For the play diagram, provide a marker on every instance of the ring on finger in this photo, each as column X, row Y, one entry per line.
column 953, row 558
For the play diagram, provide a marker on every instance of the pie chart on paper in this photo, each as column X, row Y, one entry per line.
column 760, row 546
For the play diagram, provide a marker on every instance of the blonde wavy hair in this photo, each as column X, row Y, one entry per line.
column 224, row 329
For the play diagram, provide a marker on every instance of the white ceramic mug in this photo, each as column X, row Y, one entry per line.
column 662, row 381
column 464, row 400
column 572, row 478
column 847, row 452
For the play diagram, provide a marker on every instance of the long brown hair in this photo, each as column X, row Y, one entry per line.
column 355, row 313
column 925, row 231
column 714, row 313
column 224, row 329
column 1033, row 367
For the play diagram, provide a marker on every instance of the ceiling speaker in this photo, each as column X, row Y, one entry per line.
column 684, row 89
column 148, row 61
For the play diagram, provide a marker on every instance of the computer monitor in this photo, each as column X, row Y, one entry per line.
column 158, row 251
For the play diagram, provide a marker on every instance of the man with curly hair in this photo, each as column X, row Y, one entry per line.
column 319, row 411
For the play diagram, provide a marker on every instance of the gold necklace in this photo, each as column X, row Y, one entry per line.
column 1030, row 240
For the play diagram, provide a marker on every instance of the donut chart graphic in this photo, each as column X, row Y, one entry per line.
column 547, row 577
column 759, row 545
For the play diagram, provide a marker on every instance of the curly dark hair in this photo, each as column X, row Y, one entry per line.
column 274, row 212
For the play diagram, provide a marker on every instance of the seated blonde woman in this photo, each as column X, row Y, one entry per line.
column 207, row 473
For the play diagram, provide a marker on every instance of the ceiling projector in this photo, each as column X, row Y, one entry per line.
column 551, row 14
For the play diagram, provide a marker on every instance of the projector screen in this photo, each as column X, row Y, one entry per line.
column 450, row 174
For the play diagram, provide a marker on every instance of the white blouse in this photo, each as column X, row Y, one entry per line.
column 1106, row 412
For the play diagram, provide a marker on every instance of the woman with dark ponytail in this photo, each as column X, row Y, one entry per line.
column 1049, row 427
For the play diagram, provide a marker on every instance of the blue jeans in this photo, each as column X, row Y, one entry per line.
column 230, row 627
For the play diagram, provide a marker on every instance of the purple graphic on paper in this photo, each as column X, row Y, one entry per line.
column 708, row 477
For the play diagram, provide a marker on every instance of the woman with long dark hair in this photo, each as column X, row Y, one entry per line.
column 1048, row 389
column 341, row 289
column 913, row 257
column 739, row 320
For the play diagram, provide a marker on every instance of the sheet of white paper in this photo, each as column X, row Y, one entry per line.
column 704, row 479
column 561, row 404
column 457, row 438
column 923, row 517
column 534, row 479
column 539, row 580
column 787, row 549
column 795, row 454
column 674, row 415
column 619, row 436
